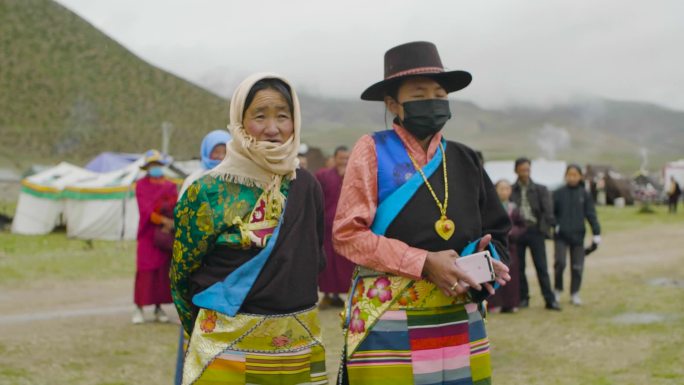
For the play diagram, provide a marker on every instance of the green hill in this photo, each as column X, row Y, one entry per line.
column 67, row 91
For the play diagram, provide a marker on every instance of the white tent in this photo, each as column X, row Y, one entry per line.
column 673, row 169
column 104, row 207
column 41, row 203
column 92, row 205
column 550, row 173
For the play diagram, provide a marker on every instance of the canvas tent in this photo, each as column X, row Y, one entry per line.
column 92, row 205
column 111, row 161
column 41, row 202
column 673, row 169
column 104, row 207
column 550, row 173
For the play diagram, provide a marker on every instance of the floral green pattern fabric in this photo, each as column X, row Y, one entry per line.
column 205, row 217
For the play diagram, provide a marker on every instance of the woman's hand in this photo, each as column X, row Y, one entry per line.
column 167, row 224
column 500, row 269
column 440, row 269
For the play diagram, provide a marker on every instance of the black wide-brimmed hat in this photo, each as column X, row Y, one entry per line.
column 419, row 58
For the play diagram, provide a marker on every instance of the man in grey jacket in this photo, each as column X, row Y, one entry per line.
column 534, row 202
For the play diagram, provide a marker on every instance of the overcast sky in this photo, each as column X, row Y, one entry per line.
column 519, row 52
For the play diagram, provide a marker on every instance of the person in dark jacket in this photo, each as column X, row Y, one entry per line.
column 534, row 202
column 572, row 204
column 673, row 196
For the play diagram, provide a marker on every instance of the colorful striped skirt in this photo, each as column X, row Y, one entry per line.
column 438, row 345
column 255, row 349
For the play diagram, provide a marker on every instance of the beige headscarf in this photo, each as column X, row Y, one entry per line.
column 258, row 163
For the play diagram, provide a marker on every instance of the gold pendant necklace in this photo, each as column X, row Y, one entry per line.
column 444, row 226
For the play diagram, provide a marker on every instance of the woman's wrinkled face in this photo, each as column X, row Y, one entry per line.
column 503, row 190
column 268, row 117
column 573, row 177
column 416, row 88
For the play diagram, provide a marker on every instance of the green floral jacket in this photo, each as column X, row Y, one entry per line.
column 204, row 217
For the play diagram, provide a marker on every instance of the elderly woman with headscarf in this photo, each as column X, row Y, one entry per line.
column 212, row 152
column 248, row 251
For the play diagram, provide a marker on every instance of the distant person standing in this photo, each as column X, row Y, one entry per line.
column 534, row 202
column 302, row 156
column 212, row 152
column 156, row 197
column 507, row 298
column 572, row 204
column 336, row 278
column 673, row 195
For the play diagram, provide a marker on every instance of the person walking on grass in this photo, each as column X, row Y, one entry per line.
column 534, row 202
column 572, row 205
column 336, row 277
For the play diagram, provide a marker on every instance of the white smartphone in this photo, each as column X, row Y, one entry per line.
column 478, row 266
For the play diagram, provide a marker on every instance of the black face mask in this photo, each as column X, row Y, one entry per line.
column 423, row 118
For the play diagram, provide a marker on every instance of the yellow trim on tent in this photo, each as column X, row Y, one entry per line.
column 102, row 190
column 40, row 188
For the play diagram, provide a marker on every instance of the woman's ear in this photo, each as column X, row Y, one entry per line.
column 392, row 105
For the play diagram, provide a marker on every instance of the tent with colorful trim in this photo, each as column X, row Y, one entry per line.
column 41, row 199
column 92, row 205
column 104, row 207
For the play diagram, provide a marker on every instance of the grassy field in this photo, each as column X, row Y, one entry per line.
column 610, row 340
column 54, row 257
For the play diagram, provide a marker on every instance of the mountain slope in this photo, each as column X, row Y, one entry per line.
column 596, row 130
column 69, row 91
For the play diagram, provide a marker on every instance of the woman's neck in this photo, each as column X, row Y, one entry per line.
column 425, row 143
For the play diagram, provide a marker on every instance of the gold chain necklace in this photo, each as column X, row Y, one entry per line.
column 444, row 226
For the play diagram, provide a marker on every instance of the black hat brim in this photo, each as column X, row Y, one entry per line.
column 452, row 81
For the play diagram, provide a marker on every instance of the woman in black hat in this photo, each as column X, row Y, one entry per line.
column 411, row 204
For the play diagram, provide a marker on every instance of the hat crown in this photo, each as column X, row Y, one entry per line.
column 415, row 57
column 418, row 58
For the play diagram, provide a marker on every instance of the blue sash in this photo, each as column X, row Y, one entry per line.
column 392, row 194
column 397, row 184
column 228, row 295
